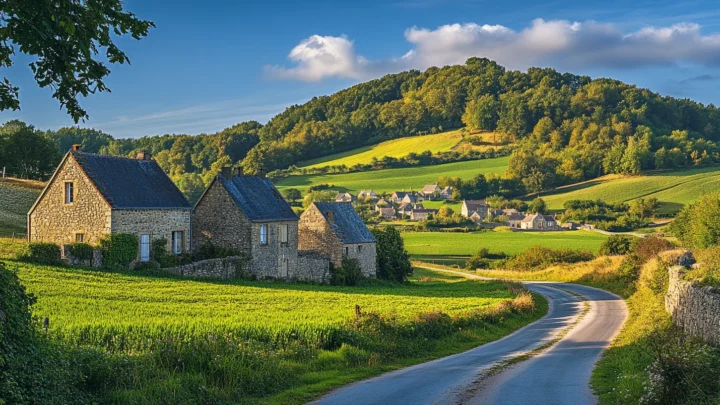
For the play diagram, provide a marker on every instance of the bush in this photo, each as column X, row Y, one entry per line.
column 392, row 260
column 697, row 225
column 119, row 249
column 210, row 251
column 630, row 268
column 647, row 248
column 350, row 273
column 82, row 251
column 477, row 261
column 616, row 245
column 540, row 257
column 42, row 253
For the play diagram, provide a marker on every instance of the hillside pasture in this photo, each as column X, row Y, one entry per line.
column 389, row 180
column 397, row 148
column 672, row 188
column 16, row 198
column 467, row 243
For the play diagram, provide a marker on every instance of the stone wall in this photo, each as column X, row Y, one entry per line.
column 217, row 219
column 267, row 260
column 316, row 235
column 159, row 223
column 54, row 221
column 312, row 266
column 693, row 308
column 366, row 254
column 224, row 268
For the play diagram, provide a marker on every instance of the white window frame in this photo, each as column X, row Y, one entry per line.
column 178, row 239
column 79, row 237
column 263, row 234
column 145, row 258
column 284, row 233
column 69, row 193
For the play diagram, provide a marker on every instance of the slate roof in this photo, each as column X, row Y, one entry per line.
column 347, row 224
column 430, row 189
column 127, row 183
column 258, row 198
column 531, row 217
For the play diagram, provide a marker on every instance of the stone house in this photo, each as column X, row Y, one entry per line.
column 403, row 196
column 248, row 214
column 345, row 197
column 385, row 212
column 421, row 214
column 510, row 216
column 430, row 190
column 90, row 196
column 337, row 231
column 446, row 193
column 365, row 194
column 469, row 207
column 539, row 222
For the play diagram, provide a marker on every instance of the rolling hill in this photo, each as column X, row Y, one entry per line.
column 16, row 198
column 389, row 180
column 672, row 188
column 397, row 148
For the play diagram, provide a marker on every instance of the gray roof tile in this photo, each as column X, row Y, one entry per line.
column 347, row 223
column 258, row 198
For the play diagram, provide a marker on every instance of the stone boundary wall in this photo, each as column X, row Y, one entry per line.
column 695, row 309
column 312, row 266
column 223, row 268
column 67, row 256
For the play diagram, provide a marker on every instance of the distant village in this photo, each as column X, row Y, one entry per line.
column 408, row 205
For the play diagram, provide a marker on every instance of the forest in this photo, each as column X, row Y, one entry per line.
column 566, row 128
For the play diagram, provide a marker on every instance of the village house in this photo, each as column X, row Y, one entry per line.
column 403, row 197
column 344, row 197
column 248, row 214
column 90, row 196
column 430, row 191
column 477, row 207
column 510, row 216
column 337, row 231
column 421, row 214
column 386, row 212
column 539, row 222
column 446, row 193
column 365, row 194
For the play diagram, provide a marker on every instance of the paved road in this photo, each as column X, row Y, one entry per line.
column 559, row 376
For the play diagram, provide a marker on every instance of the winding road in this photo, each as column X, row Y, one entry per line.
column 558, row 375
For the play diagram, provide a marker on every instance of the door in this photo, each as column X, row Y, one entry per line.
column 145, row 248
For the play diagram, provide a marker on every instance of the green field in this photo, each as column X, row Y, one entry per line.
column 16, row 198
column 389, row 180
column 466, row 244
column 673, row 188
column 436, row 143
column 260, row 342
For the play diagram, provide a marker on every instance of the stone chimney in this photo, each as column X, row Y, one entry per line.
column 238, row 171
column 76, row 147
column 226, row 172
column 143, row 155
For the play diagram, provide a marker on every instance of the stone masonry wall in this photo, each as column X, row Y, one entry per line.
column 312, row 266
column 366, row 254
column 54, row 221
column 267, row 259
column 316, row 235
column 695, row 309
column 159, row 223
column 224, row 268
column 218, row 219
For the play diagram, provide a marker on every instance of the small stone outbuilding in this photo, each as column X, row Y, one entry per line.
column 90, row 196
column 248, row 214
column 337, row 231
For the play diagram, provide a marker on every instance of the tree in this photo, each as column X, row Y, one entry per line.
column 393, row 261
column 191, row 184
column 26, row 152
column 481, row 113
column 318, row 196
column 65, row 37
column 445, row 212
column 537, row 206
column 697, row 225
column 292, row 194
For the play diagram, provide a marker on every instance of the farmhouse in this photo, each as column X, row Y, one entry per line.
column 539, row 222
column 248, row 214
column 344, row 197
column 430, row 190
column 90, row 196
column 470, row 207
column 385, row 212
column 446, row 193
column 403, row 196
column 337, row 231
column 510, row 216
column 421, row 214
column 365, row 194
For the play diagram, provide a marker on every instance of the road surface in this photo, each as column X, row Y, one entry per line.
column 559, row 375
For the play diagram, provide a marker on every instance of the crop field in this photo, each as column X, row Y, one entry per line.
column 16, row 198
column 389, row 180
column 672, row 188
column 263, row 342
column 443, row 142
column 466, row 244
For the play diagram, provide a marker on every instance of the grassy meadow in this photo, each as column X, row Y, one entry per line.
column 466, row 244
column 672, row 188
column 16, row 198
column 389, row 180
column 256, row 341
column 436, row 143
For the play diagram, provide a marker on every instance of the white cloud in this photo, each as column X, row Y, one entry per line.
column 558, row 43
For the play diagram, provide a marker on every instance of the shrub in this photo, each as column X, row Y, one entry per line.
column 208, row 250
column 350, row 273
column 647, row 248
column 119, row 249
column 476, row 261
column 392, row 260
column 42, row 253
column 630, row 267
column 82, row 251
column 616, row 245
column 541, row 257
column 697, row 225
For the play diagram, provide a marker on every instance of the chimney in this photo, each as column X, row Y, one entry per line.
column 226, row 172
column 76, row 147
column 260, row 172
column 143, row 155
column 238, row 171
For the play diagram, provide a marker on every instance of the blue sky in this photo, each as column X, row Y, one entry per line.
column 214, row 63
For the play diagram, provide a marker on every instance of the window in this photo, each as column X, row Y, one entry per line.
column 283, row 233
column 69, row 192
column 347, row 250
column 145, row 248
column 79, row 237
column 263, row 234
column 177, row 242
column 359, row 248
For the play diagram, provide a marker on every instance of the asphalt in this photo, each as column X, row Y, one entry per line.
column 559, row 375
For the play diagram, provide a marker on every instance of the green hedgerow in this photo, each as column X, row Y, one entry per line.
column 119, row 249
column 82, row 251
column 42, row 253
